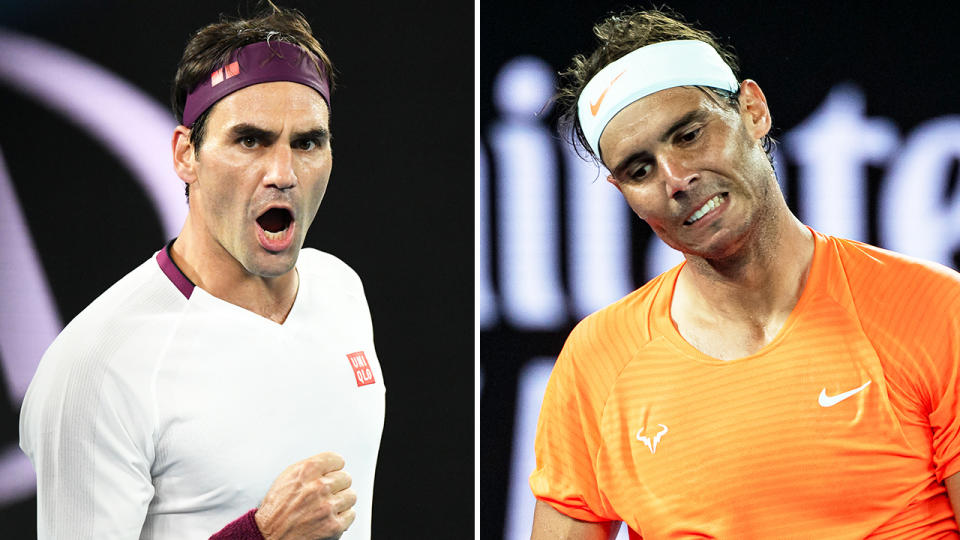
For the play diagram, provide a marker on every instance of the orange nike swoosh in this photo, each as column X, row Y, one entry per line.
column 594, row 107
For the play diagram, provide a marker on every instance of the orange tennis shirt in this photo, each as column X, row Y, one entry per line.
column 843, row 426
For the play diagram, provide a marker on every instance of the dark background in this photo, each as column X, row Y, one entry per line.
column 398, row 210
column 901, row 55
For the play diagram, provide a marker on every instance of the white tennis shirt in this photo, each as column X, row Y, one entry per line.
column 162, row 412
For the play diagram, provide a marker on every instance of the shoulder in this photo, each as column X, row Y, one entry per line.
column 626, row 321
column 332, row 287
column 908, row 308
column 606, row 340
column 886, row 280
column 329, row 268
column 108, row 350
column 141, row 300
column 131, row 321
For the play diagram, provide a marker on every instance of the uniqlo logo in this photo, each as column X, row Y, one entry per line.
column 361, row 368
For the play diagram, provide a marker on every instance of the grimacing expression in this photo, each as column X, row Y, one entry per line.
column 262, row 170
column 693, row 168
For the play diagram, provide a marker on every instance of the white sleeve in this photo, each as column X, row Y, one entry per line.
column 87, row 426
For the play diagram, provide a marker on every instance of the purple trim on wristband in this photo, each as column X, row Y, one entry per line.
column 172, row 271
column 242, row 528
column 254, row 64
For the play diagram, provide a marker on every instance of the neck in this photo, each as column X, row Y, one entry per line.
column 759, row 283
column 212, row 268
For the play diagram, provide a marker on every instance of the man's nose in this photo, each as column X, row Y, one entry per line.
column 280, row 172
column 677, row 173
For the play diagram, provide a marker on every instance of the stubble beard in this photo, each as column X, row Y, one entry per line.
column 755, row 238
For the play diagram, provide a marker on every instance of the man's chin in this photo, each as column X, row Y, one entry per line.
column 272, row 265
column 721, row 246
column 703, row 246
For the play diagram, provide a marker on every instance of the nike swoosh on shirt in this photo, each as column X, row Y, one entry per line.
column 830, row 401
column 594, row 107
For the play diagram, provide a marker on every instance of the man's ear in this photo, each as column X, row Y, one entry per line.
column 754, row 110
column 184, row 156
column 613, row 181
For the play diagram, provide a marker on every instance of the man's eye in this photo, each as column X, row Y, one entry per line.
column 248, row 141
column 307, row 144
column 691, row 135
column 641, row 171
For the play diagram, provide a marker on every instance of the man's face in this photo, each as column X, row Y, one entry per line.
column 692, row 168
column 262, row 170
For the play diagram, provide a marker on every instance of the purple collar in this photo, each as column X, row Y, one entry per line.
column 172, row 271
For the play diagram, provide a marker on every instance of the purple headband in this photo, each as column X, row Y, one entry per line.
column 254, row 64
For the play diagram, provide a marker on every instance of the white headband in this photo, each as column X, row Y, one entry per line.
column 644, row 71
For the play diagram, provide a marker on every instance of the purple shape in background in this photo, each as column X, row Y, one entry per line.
column 28, row 318
column 28, row 323
column 137, row 130
column 134, row 127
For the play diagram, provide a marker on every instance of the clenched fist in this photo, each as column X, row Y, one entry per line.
column 310, row 499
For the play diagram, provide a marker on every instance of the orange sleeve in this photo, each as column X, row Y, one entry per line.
column 912, row 310
column 944, row 391
column 929, row 326
column 568, row 436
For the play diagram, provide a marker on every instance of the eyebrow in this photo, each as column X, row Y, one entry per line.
column 319, row 134
column 250, row 130
column 696, row 115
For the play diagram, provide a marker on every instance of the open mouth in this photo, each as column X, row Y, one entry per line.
column 275, row 229
column 707, row 207
column 275, row 220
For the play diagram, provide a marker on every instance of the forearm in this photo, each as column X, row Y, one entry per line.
column 549, row 524
column 953, row 491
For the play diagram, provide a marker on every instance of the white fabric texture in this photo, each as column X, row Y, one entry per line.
column 644, row 71
column 155, row 416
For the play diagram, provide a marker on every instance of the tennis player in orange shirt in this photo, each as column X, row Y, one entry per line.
column 780, row 383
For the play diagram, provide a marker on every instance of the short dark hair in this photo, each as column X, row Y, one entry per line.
column 618, row 35
column 209, row 48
